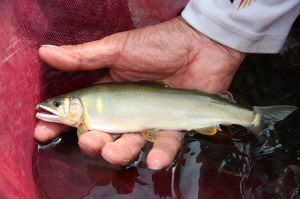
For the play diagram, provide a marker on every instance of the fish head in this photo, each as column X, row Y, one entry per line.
column 63, row 109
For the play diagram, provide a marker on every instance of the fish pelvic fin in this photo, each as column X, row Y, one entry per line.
column 81, row 129
column 266, row 116
column 150, row 135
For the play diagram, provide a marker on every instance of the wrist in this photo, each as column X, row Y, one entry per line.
column 186, row 28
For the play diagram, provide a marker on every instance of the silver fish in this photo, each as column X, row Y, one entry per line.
column 149, row 108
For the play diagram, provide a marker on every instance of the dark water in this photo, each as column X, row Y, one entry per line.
column 231, row 164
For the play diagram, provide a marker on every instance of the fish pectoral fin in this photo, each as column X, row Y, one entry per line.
column 211, row 130
column 150, row 135
column 81, row 129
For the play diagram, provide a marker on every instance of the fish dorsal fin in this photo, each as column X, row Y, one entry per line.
column 226, row 95
column 163, row 83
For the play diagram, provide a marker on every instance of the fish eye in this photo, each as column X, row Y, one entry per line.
column 56, row 103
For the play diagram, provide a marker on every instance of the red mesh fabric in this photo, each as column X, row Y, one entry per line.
column 27, row 24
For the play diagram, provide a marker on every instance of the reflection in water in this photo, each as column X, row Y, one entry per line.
column 231, row 164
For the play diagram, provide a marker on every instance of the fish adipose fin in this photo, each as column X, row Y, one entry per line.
column 211, row 130
column 150, row 135
column 266, row 116
column 226, row 95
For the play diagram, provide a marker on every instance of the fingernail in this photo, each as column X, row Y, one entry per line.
column 48, row 46
column 155, row 168
column 125, row 162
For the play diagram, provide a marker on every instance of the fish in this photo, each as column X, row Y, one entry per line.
column 149, row 108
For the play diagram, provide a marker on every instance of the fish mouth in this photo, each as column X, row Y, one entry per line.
column 50, row 115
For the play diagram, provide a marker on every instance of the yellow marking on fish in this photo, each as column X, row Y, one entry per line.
column 99, row 105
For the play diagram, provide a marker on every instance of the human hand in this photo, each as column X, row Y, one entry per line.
column 171, row 51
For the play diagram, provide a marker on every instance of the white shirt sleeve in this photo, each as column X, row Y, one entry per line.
column 252, row 26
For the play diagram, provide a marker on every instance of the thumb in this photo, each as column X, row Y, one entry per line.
column 87, row 56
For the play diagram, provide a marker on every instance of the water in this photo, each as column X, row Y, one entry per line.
column 232, row 164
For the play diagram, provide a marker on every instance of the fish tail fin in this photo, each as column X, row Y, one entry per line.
column 268, row 115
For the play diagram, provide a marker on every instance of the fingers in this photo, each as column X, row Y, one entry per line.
column 121, row 152
column 92, row 142
column 124, row 150
column 164, row 149
column 87, row 56
column 45, row 131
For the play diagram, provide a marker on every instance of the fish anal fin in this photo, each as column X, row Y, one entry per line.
column 211, row 130
column 150, row 135
column 226, row 95
column 81, row 129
